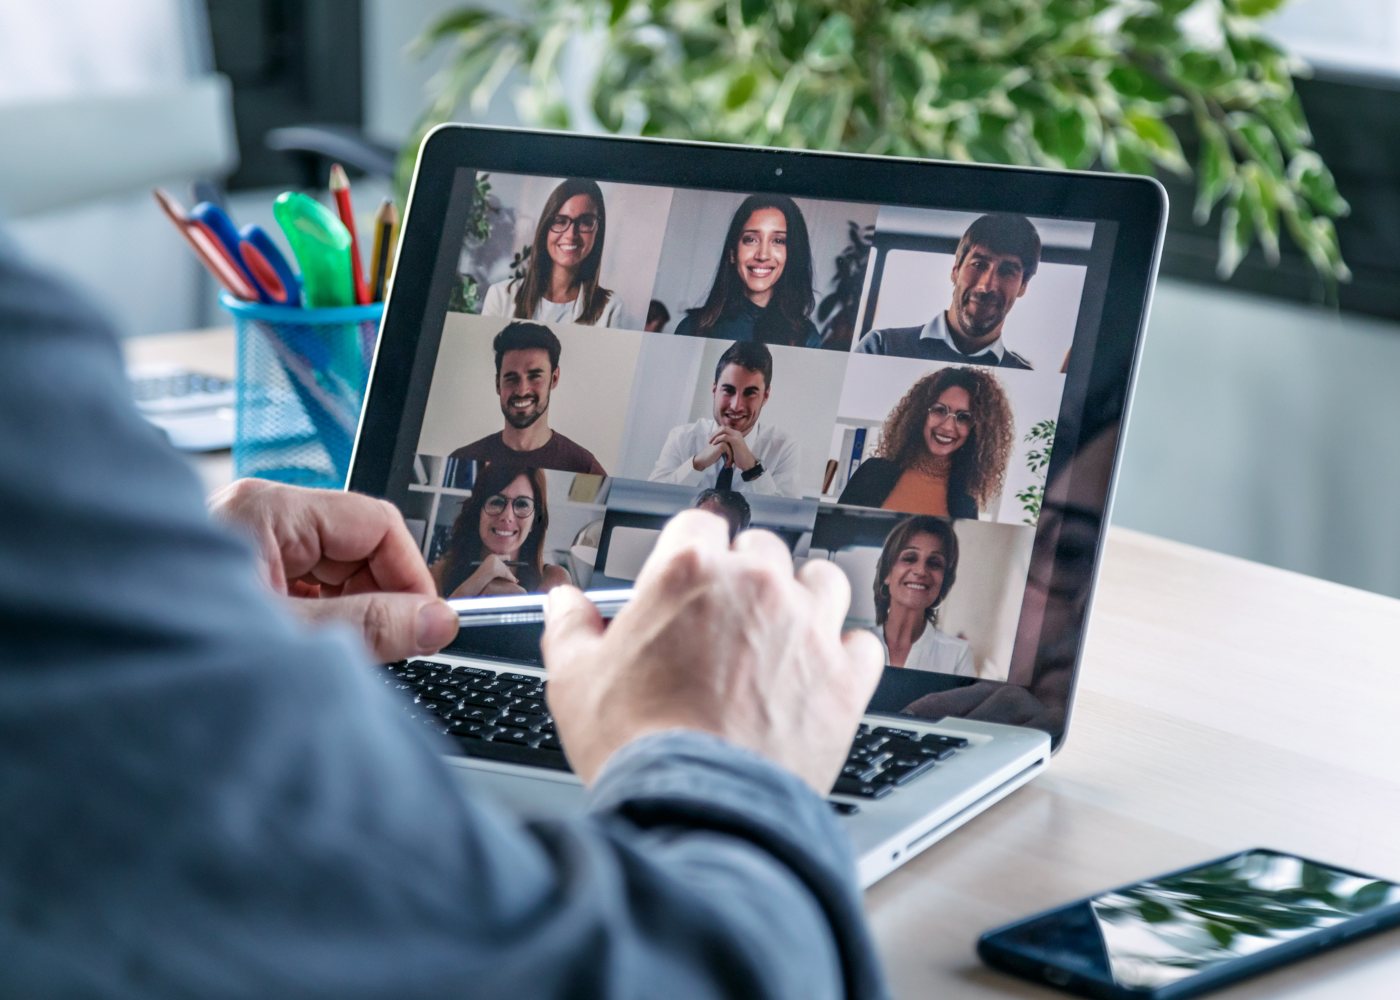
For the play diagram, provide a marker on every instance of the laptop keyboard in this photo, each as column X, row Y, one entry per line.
column 501, row 715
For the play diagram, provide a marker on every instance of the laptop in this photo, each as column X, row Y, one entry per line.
column 918, row 371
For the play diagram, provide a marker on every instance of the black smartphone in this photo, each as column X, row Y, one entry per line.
column 1194, row 930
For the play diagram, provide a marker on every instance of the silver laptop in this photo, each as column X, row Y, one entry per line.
column 918, row 371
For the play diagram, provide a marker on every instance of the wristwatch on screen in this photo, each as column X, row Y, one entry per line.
column 752, row 473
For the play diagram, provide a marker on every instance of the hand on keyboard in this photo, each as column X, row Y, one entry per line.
column 727, row 641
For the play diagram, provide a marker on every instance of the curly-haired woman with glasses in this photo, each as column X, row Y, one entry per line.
column 498, row 537
column 560, row 283
column 943, row 450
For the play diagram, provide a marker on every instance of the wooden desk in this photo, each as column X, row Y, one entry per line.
column 1222, row 705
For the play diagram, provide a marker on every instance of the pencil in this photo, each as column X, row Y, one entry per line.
column 340, row 187
column 385, row 221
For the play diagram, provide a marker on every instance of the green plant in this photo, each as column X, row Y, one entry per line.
column 466, row 293
column 836, row 312
column 1063, row 83
column 1040, row 437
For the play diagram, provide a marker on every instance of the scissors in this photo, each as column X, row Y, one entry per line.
column 208, row 249
column 252, row 251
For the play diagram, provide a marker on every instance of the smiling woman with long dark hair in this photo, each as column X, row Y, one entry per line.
column 763, row 284
column 497, row 540
column 560, row 283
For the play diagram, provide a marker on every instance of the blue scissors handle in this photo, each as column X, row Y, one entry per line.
column 254, row 254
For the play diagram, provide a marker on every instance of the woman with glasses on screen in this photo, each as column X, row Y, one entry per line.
column 763, row 285
column 943, row 450
column 560, row 283
column 497, row 540
column 917, row 567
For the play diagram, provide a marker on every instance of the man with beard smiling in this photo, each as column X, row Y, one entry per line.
column 527, row 371
column 994, row 263
column 731, row 451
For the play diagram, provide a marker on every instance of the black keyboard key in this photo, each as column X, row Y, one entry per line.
column 904, row 775
column 513, row 735
column 531, row 678
column 470, row 729
column 535, row 705
column 514, row 753
column 956, row 742
column 474, row 713
column 551, row 742
column 843, row 808
column 903, row 734
column 859, row 789
column 484, row 699
column 439, row 695
column 863, row 773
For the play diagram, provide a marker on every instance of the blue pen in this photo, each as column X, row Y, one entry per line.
column 254, row 253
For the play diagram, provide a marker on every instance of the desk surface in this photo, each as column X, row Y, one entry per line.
column 1222, row 705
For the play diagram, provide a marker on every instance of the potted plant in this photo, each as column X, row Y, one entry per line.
column 1123, row 85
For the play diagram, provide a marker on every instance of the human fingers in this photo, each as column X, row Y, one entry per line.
column 829, row 587
column 697, row 531
column 867, row 661
column 370, row 535
column 766, row 547
column 394, row 626
column 571, row 625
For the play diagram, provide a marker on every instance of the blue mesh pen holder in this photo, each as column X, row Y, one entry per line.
column 301, row 381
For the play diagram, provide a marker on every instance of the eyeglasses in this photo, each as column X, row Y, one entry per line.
column 586, row 223
column 520, row 506
column 940, row 413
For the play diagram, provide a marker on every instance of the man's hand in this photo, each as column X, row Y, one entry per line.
column 733, row 442
column 724, row 641
column 342, row 557
column 708, row 456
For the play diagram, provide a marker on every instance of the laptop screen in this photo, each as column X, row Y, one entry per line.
column 882, row 385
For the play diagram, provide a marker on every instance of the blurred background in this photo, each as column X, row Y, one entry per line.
column 1265, row 415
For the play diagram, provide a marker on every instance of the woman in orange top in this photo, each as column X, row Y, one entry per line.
column 943, row 450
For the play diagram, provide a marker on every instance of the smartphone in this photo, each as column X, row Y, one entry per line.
column 1194, row 930
column 526, row 609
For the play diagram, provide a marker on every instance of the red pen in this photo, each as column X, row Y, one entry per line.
column 207, row 248
column 340, row 187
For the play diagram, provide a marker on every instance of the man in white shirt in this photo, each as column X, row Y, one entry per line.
column 731, row 450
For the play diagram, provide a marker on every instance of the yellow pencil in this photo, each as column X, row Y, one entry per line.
column 386, row 223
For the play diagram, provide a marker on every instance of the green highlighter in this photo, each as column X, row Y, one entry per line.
column 321, row 244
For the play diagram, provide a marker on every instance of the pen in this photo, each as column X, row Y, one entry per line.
column 207, row 248
column 386, row 220
column 340, row 188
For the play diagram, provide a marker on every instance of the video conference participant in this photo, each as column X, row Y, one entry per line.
column 497, row 541
column 527, row 372
column 763, row 284
column 917, row 567
column 992, row 268
column 730, row 505
column 943, row 450
column 731, row 451
column 560, row 284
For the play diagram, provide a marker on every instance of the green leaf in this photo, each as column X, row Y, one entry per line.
column 1310, row 176
column 1216, row 169
column 1236, row 233
column 831, row 46
column 1204, row 70
column 1262, row 199
column 453, row 24
column 1152, row 31
column 1130, row 81
column 740, row 90
column 618, row 12
column 1160, row 141
column 1256, row 8
column 1369, row 896
column 1223, row 935
column 1260, row 140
